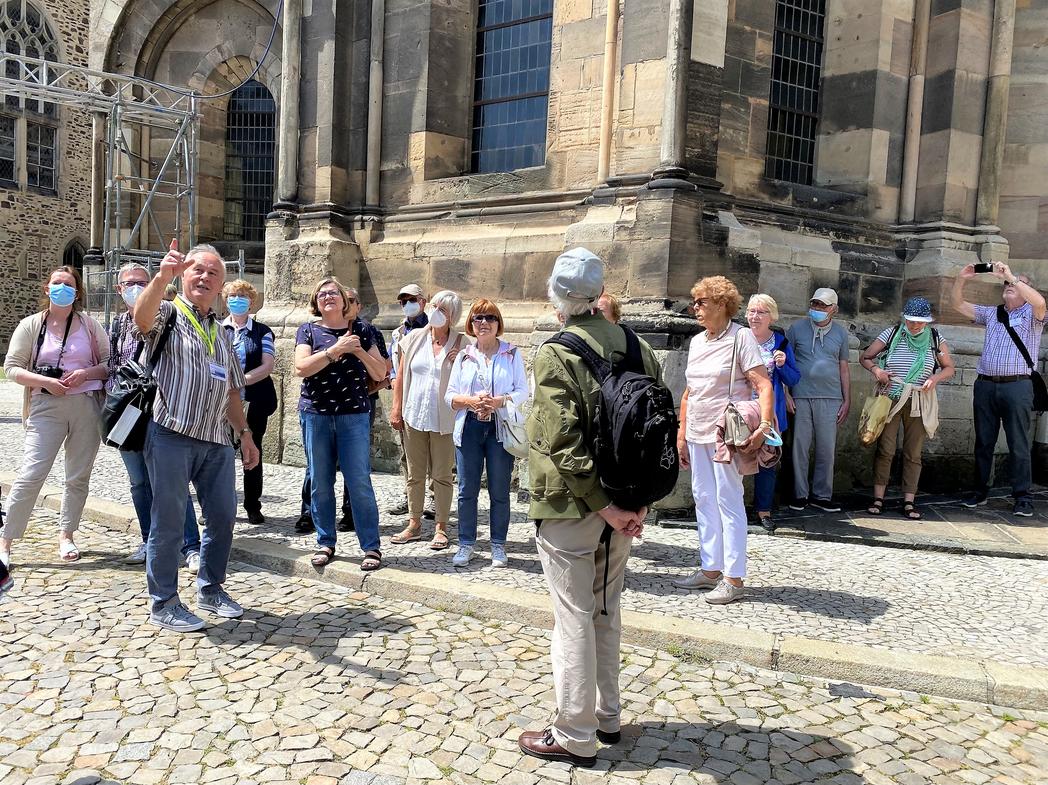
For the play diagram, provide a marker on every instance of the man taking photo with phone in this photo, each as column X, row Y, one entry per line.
column 1003, row 392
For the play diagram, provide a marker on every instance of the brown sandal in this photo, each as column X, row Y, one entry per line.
column 322, row 556
column 372, row 561
column 440, row 541
column 410, row 534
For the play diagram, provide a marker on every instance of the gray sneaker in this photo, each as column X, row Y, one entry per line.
column 176, row 617
column 725, row 593
column 465, row 553
column 219, row 603
column 1023, row 507
column 697, row 580
column 498, row 555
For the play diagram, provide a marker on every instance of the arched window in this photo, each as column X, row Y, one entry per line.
column 27, row 124
column 511, row 85
column 250, row 162
column 73, row 256
column 796, row 83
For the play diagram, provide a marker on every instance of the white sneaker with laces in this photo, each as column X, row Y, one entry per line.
column 193, row 562
column 462, row 557
column 498, row 555
column 725, row 593
column 697, row 580
column 138, row 557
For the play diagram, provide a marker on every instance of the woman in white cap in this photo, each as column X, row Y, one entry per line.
column 908, row 360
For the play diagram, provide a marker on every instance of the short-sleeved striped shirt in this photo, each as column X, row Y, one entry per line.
column 190, row 400
column 1000, row 357
column 899, row 362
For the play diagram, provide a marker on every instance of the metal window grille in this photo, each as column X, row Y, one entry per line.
column 7, row 149
column 796, row 80
column 250, row 162
column 40, row 156
column 511, row 84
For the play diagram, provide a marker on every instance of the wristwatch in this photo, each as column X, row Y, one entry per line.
column 240, row 434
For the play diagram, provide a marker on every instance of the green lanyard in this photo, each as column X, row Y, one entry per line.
column 208, row 337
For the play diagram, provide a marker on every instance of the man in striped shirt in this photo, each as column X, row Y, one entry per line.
column 1003, row 392
column 198, row 380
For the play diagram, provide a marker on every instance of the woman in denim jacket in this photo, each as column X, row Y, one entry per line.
column 487, row 376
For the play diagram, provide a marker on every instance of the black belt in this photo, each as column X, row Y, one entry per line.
column 1004, row 379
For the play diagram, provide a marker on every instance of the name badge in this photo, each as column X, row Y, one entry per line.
column 218, row 372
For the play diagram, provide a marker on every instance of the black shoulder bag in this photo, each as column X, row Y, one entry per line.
column 129, row 404
column 1040, row 392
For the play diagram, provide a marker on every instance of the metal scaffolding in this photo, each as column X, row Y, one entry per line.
column 148, row 134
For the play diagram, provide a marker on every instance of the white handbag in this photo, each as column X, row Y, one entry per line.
column 509, row 430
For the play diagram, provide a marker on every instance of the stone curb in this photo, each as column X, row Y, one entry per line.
column 981, row 681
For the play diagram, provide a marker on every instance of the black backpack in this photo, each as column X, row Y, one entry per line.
column 635, row 430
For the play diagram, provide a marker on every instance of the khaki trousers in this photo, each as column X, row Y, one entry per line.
column 433, row 453
column 55, row 421
column 913, row 435
column 585, row 650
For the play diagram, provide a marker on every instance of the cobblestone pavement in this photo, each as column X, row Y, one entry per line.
column 323, row 686
column 932, row 603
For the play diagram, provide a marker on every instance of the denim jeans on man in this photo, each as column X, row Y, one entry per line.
column 142, row 498
column 479, row 446
column 174, row 461
column 342, row 440
column 764, row 488
column 1009, row 404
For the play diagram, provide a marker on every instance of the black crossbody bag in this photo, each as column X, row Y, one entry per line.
column 1040, row 392
column 129, row 404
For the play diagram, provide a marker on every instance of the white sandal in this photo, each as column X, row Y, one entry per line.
column 68, row 552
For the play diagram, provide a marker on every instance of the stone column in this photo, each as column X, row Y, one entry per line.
column 375, row 80
column 673, row 155
column 607, row 99
column 995, row 122
column 914, row 111
column 98, row 188
column 287, row 163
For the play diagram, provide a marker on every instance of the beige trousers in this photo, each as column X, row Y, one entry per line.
column 54, row 421
column 585, row 650
column 432, row 453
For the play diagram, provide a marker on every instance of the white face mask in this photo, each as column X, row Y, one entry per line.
column 437, row 318
column 130, row 294
column 411, row 310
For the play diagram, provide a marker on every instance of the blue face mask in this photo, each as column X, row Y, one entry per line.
column 61, row 294
column 818, row 316
column 238, row 305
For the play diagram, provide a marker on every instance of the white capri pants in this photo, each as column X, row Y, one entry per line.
column 720, row 512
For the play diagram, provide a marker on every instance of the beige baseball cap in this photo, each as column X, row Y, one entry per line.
column 825, row 296
column 411, row 290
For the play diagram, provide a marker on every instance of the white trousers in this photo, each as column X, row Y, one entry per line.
column 720, row 511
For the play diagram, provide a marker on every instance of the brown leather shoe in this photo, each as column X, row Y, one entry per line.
column 541, row 744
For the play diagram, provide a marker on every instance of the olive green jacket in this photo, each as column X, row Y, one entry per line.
column 563, row 477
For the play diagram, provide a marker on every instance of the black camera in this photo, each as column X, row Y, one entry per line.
column 50, row 371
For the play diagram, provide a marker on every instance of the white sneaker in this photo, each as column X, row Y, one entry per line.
column 461, row 559
column 193, row 562
column 138, row 557
column 697, row 580
column 725, row 593
column 498, row 555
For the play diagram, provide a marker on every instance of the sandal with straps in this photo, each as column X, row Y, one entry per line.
column 910, row 511
column 323, row 556
column 372, row 561
column 876, row 507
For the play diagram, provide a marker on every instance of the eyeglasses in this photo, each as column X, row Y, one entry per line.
column 328, row 293
column 351, row 300
column 701, row 302
column 757, row 314
column 485, row 317
column 134, row 283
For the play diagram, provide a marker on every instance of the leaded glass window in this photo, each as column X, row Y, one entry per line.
column 511, row 84
column 40, row 156
column 250, row 162
column 7, row 149
column 796, row 82
column 25, row 31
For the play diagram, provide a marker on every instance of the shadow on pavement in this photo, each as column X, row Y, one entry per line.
column 825, row 602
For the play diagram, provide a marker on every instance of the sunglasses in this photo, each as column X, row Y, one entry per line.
column 403, row 300
column 485, row 317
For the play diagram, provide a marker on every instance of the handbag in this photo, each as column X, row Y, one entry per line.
column 129, row 404
column 510, row 431
column 736, row 431
column 1040, row 392
column 873, row 418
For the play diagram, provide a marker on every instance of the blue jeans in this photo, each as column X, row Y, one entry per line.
column 142, row 498
column 479, row 445
column 764, row 488
column 174, row 461
column 342, row 440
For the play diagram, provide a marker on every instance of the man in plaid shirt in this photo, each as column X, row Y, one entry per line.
column 1003, row 392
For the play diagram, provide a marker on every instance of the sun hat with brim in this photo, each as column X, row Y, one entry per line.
column 918, row 309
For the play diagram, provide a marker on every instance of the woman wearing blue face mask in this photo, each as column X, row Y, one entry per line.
column 60, row 357
column 253, row 343
column 908, row 360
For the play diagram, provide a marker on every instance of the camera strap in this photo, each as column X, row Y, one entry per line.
column 65, row 337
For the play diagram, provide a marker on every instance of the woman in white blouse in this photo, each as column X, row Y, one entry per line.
column 420, row 410
column 487, row 376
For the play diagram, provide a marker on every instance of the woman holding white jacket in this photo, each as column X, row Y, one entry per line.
column 487, row 376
